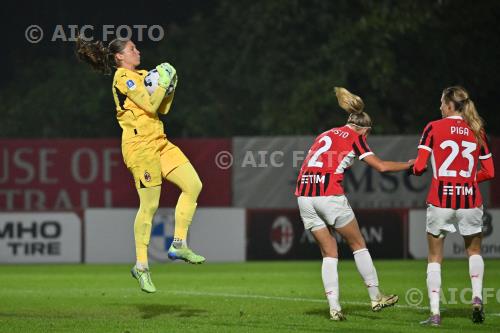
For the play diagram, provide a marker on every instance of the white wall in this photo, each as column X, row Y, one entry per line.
column 216, row 233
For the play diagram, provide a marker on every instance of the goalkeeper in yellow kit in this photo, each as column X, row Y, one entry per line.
column 147, row 153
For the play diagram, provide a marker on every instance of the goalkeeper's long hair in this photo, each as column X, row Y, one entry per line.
column 354, row 105
column 100, row 57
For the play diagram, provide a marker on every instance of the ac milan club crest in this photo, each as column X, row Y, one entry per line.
column 147, row 176
column 282, row 235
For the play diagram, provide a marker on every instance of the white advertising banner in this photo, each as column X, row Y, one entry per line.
column 454, row 243
column 216, row 233
column 40, row 238
column 265, row 172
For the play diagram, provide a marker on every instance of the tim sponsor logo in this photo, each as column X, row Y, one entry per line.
column 312, row 179
column 458, row 190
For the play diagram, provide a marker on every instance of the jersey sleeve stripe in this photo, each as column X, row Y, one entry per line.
column 362, row 141
column 356, row 149
column 365, row 154
column 425, row 147
column 425, row 135
column 485, row 157
column 486, row 140
column 485, row 148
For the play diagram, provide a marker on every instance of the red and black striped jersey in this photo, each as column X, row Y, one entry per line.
column 455, row 154
column 330, row 155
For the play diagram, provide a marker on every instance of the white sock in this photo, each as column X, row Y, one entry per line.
column 476, row 271
column 434, row 285
column 141, row 265
column 331, row 282
column 368, row 272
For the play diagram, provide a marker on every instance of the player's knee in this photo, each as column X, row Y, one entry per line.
column 433, row 257
column 473, row 250
column 329, row 254
column 197, row 186
column 149, row 208
column 329, row 251
column 194, row 188
column 357, row 244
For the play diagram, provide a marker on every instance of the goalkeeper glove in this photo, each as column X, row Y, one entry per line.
column 169, row 68
column 173, row 74
column 172, row 85
column 166, row 74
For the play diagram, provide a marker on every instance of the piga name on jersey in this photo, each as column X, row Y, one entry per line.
column 459, row 130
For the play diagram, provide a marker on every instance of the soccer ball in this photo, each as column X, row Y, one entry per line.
column 151, row 82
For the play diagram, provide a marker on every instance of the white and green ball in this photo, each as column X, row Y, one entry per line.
column 151, row 82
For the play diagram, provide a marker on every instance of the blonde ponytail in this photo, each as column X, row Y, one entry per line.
column 348, row 101
column 474, row 121
column 464, row 105
column 354, row 105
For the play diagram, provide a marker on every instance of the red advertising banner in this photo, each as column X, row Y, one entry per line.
column 69, row 174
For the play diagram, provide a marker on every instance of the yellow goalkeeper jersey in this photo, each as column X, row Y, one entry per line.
column 136, row 110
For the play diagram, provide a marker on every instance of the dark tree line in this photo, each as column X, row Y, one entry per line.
column 269, row 67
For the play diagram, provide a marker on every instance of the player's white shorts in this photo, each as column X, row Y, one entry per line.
column 318, row 212
column 441, row 221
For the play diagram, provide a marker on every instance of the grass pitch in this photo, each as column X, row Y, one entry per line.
column 248, row 297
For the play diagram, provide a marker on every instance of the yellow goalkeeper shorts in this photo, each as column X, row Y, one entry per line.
column 151, row 161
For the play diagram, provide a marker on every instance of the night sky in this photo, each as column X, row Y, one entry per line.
column 17, row 16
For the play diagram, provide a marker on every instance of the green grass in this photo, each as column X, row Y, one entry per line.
column 249, row 297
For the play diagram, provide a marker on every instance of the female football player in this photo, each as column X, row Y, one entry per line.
column 457, row 142
column 323, row 205
column 147, row 153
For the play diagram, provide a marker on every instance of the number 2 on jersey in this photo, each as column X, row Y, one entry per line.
column 313, row 162
column 469, row 147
